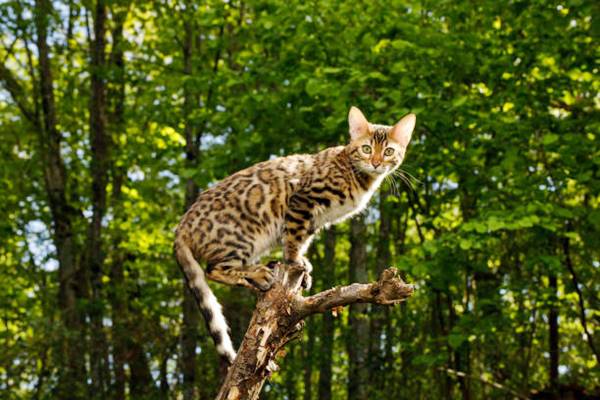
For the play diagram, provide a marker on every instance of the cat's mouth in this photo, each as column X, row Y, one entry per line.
column 375, row 171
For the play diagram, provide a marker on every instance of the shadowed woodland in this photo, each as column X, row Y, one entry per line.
column 115, row 114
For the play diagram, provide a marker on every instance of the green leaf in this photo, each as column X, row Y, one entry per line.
column 313, row 87
column 549, row 138
column 455, row 340
column 465, row 244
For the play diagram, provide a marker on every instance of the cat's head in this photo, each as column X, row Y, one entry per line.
column 378, row 149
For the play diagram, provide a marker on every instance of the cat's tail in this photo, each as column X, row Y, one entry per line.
column 206, row 300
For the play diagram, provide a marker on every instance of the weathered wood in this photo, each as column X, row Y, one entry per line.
column 278, row 319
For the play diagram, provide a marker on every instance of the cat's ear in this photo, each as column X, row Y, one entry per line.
column 403, row 129
column 357, row 122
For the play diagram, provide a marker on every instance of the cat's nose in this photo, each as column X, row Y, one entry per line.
column 375, row 163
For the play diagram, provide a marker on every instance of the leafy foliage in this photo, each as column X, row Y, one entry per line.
column 496, row 218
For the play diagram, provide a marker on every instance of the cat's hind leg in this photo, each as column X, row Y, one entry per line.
column 235, row 272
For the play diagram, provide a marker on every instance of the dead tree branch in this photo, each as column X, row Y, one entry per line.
column 278, row 319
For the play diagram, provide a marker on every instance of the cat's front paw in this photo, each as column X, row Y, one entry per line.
column 262, row 278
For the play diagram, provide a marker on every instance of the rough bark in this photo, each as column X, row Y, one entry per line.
column 118, row 300
column 279, row 318
column 397, row 332
column 327, row 328
column 289, row 381
column 308, row 358
column 553, row 348
column 379, row 315
column 141, row 384
column 71, row 378
column 191, row 321
column 358, row 335
column 462, row 354
column 189, row 341
column 99, row 169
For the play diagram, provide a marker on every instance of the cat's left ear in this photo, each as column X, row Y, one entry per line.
column 402, row 131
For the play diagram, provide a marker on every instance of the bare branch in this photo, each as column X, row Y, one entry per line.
column 389, row 289
column 278, row 319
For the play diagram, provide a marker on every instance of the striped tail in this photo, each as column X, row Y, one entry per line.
column 206, row 300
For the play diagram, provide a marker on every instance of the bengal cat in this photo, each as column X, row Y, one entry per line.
column 288, row 199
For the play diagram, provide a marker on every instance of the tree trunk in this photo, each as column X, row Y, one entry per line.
column 118, row 288
column 289, row 380
column 328, row 326
column 358, row 335
column 118, row 300
column 440, row 328
column 191, row 318
column 553, row 335
column 308, row 358
column 279, row 317
column 398, row 332
column 100, row 164
column 379, row 314
column 72, row 373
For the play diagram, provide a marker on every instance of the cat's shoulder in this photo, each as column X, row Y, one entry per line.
column 329, row 153
column 333, row 151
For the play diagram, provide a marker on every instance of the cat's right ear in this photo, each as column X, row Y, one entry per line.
column 359, row 126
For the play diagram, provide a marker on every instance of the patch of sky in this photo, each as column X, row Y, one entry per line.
column 563, row 369
column 372, row 215
column 21, row 153
column 135, row 174
column 209, row 140
column 39, row 243
column 445, row 185
column 87, row 213
column 172, row 179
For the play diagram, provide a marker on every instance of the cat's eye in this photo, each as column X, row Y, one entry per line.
column 366, row 149
column 388, row 152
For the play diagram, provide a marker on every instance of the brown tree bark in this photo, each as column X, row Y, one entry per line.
column 100, row 165
column 379, row 315
column 71, row 377
column 118, row 289
column 553, row 348
column 279, row 318
column 191, row 321
column 358, row 335
column 118, row 302
column 307, row 360
column 140, row 380
column 328, row 326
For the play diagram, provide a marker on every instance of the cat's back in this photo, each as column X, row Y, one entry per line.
column 250, row 202
column 266, row 173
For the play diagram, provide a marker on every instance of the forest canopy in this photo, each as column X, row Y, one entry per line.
column 115, row 114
